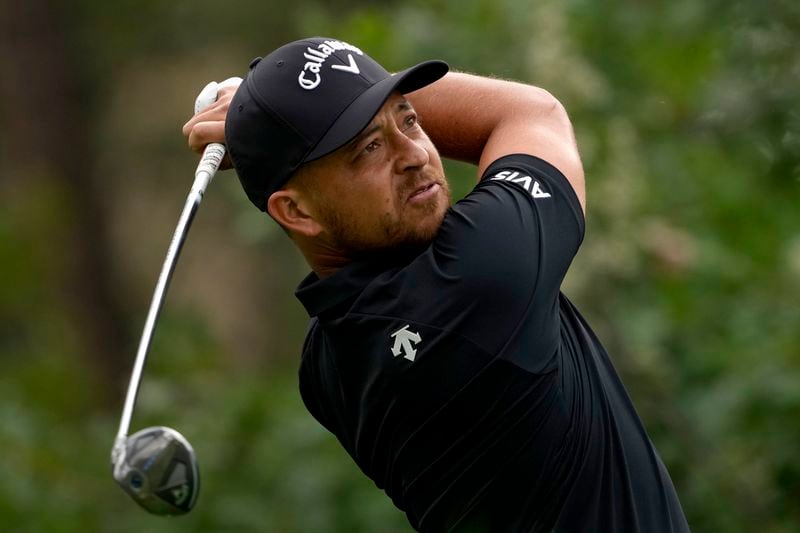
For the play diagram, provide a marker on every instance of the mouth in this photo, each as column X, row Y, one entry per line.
column 424, row 192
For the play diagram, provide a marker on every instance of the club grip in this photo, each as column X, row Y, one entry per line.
column 214, row 152
column 209, row 93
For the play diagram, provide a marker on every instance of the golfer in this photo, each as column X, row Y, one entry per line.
column 441, row 352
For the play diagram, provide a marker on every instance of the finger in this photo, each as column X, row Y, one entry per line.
column 187, row 128
column 208, row 115
column 226, row 91
column 213, row 113
column 203, row 133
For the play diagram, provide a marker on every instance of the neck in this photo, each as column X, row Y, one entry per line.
column 324, row 266
column 323, row 258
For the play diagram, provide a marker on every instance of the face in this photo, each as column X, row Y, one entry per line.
column 384, row 189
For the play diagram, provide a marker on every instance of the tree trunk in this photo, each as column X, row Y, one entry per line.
column 46, row 117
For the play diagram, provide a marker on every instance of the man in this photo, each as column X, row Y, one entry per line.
column 441, row 352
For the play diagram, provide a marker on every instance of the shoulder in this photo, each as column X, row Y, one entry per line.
column 521, row 202
column 537, row 124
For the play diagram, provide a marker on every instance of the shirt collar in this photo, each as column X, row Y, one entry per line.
column 322, row 294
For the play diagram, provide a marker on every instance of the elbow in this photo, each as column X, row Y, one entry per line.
column 552, row 136
column 541, row 105
column 541, row 109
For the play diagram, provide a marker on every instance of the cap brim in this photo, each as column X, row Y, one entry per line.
column 359, row 114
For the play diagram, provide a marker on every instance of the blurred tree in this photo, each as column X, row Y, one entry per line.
column 688, row 120
column 48, row 156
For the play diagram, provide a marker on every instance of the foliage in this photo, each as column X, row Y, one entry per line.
column 687, row 117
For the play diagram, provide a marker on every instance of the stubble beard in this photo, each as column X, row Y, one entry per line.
column 395, row 233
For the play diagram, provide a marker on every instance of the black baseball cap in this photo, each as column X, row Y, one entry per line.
column 303, row 101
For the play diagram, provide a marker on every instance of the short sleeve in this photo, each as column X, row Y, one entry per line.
column 494, row 271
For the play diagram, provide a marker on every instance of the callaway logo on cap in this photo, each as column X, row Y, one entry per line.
column 303, row 101
column 310, row 76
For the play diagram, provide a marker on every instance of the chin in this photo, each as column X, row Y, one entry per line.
column 424, row 232
column 412, row 232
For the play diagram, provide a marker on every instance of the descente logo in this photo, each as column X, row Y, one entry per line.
column 528, row 183
column 309, row 77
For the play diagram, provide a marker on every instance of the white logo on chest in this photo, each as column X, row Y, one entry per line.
column 404, row 341
column 527, row 182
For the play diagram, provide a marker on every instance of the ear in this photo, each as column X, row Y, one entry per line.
column 293, row 211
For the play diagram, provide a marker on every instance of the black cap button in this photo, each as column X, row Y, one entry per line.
column 255, row 62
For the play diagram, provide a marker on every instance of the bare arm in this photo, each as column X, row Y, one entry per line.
column 478, row 120
column 469, row 118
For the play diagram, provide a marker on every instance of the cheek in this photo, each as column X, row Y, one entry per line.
column 386, row 207
column 368, row 201
column 377, row 188
column 435, row 160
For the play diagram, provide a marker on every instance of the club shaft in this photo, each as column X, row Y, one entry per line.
column 205, row 172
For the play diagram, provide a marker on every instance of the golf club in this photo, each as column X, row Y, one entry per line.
column 157, row 466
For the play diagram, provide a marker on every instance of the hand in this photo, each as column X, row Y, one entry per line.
column 208, row 125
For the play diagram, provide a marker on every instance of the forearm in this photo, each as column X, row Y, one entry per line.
column 479, row 120
column 461, row 111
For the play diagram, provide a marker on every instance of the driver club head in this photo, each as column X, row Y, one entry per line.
column 158, row 468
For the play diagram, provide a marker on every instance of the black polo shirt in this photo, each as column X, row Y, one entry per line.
column 468, row 387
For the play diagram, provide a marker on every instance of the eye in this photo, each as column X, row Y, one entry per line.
column 410, row 121
column 371, row 147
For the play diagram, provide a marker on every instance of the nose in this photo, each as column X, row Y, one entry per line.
column 411, row 155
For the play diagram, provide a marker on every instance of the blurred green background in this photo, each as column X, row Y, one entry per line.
column 687, row 114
